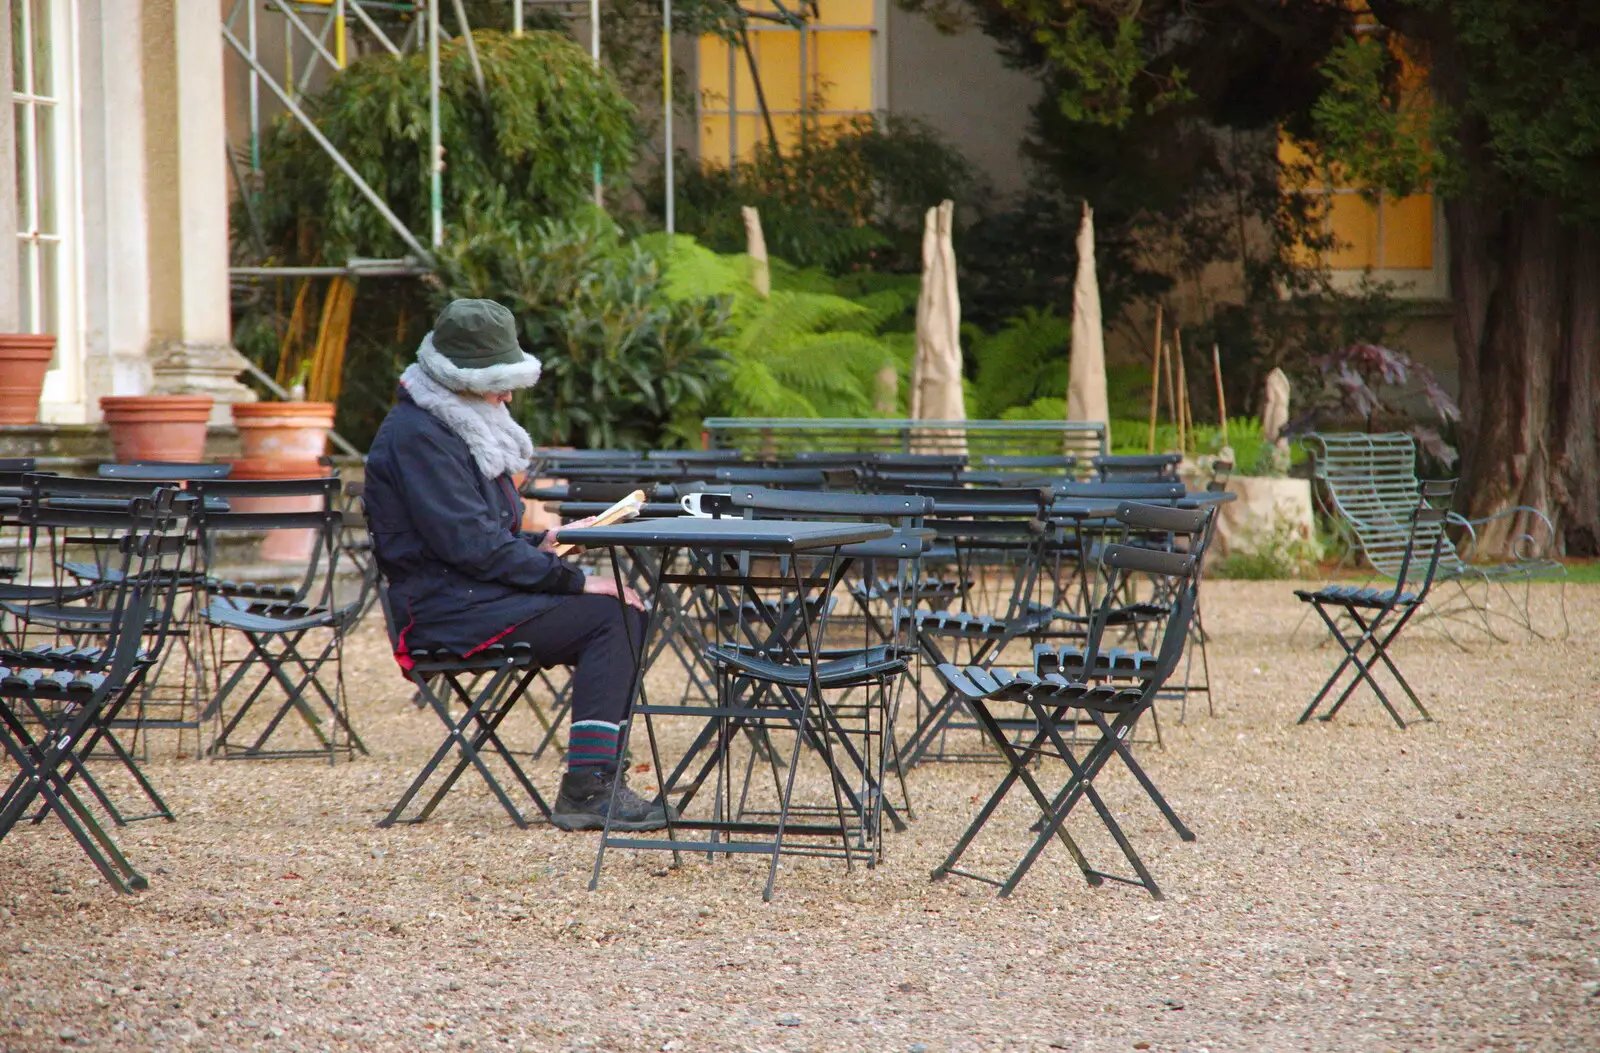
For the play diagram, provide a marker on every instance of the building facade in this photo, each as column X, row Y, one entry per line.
column 119, row 200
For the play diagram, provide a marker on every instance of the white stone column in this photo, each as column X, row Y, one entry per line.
column 191, row 348
column 116, row 275
column 9, row 316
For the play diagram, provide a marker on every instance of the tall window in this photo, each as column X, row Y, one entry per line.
column 43, row 75
column 815, row 78
column 1389, row 234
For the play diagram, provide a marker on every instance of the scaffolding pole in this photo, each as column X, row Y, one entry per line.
column 435, row 147
column 666, row 111
column 338, row 32
column 594, row 53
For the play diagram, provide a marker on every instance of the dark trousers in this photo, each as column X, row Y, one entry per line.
column 588, row 634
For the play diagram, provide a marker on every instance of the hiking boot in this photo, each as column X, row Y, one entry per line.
column 586, row 797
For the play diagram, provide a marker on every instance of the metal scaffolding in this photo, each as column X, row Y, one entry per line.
column 329, row 28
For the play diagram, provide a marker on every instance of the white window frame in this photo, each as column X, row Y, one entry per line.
column 63, row 399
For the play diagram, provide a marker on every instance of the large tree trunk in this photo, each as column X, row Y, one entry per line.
column 1525, row 287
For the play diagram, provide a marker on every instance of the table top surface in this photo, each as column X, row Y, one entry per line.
column 757, row 535
column 1083, row 508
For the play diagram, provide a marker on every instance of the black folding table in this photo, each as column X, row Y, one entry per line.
column 721, row 552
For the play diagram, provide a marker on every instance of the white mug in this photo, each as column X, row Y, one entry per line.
column 690, row 503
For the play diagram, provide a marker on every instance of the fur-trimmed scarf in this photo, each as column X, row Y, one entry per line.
column 497, row 443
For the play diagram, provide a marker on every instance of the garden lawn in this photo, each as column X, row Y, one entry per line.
column 1354, row 887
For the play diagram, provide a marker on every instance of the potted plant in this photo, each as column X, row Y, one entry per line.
column 283, row 440
column 24, row 360
column 157, row 427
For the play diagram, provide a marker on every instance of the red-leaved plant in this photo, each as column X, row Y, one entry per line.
column 1365, row 381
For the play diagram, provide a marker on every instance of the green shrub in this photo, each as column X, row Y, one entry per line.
column 619, row 354
column 517, row 156
column 1024, row 362
column 839, row 200
column 1050, row 407
column 1251, row 454
column 1273, row 554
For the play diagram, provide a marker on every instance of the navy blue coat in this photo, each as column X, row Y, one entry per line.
column 449, row 541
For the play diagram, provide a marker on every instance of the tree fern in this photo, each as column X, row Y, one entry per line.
column 805, row 351
column 1025, row 361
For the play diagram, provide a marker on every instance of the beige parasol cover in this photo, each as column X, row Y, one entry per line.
column 1086, row 380
column 761, row 271
column 936, row 370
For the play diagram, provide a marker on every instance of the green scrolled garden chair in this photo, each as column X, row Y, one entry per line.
column 1368, row 487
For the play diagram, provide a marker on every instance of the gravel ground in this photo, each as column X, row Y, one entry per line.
column 1354, row 887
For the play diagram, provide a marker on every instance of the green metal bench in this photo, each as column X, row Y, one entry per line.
column 1369, row 486
column 786, row 436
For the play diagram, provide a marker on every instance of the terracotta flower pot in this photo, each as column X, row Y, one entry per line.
column 157, row 427
column 24, row 360
column 280, row 546
column 296, row 431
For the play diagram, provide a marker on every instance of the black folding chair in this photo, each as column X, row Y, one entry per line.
column 1137, row 467
column 355, row 545
column 165, row 705
column 1378, row 615
column 1152, row 527
column 788, row 478
column 89, row 519
column 863, row 727
column 40, row 583
column 1057, row 705
column 54, row 700
column 12, row 493
column 1137, row 616
column 280, row 626
column 487, row 685
column 981, row 532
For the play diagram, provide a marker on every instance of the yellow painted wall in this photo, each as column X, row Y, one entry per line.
column 819, row 77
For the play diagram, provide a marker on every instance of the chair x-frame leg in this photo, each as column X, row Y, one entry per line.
column 1369, row 638
column 486, row 707
column 40, row 761
column 295, row 697
column 103, row 728
column 1080, row 785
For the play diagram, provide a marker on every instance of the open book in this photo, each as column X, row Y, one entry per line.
column 627, row 508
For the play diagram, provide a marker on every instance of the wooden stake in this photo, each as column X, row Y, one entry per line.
column 1155, row 379
column 1171, row 393
column 1222, row 398
column 1183, row 393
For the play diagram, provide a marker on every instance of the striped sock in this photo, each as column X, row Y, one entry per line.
column 592, row 744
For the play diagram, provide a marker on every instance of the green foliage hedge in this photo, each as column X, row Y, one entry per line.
column 518, row 153
column 620, row 354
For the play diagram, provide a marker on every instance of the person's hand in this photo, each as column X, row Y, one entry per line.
column 551, row 540
column 596, row 585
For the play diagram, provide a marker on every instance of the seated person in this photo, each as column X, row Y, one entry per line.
column 446, row 523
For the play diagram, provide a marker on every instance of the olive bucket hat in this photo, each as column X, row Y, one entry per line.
column 474, row 348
